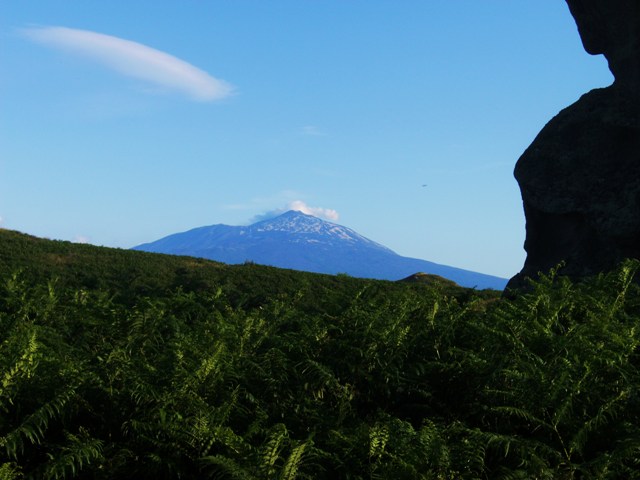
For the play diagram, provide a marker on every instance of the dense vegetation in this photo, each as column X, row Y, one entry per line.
column 120, row 365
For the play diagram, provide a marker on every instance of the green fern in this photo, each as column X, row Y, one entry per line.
column 10, row 471
column 80, row 451
column 23, row 368
column 226, row 468
column 378, row 438
column 270, row 451
column 294, row 461
column 33, row 427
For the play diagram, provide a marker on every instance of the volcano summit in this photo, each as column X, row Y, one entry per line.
column 302, row 242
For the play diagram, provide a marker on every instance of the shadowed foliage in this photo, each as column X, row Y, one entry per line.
column 120, row 365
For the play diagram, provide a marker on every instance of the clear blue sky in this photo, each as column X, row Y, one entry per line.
column 124, row 121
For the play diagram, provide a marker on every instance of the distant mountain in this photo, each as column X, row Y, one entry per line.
column 302, row 242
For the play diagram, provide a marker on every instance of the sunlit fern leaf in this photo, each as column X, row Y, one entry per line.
column 619, row 281
column 10, row 471
column 378, row 438
column 24, row 367
column 211, row 364
column 294, row 461
column 271, row 449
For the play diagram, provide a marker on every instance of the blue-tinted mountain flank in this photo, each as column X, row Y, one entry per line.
column 302, row 242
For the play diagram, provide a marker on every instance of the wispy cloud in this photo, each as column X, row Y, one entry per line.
column 312, row 131
column 134, row 60
column 300, row 206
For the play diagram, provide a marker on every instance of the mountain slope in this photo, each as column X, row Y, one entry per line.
column 302, row 242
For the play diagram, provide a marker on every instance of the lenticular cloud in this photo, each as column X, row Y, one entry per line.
column 134, row 60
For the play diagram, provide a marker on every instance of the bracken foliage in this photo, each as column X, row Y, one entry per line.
column 139, row 366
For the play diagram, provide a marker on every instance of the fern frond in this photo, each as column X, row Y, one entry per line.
column 224, row 436
column 524, row 415
column 225, row 468
column 211, row 364
column 34, row 425
column 320, row 378
column 270, row 451
column 10, row 471
column 291, row 466
column 378, row 438
column 24, row 367
column 605, row 414
column 81, row 450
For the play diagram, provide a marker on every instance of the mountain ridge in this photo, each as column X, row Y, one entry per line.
column 299, row 241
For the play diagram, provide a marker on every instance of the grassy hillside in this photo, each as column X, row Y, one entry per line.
column 117, row 364
column 131, row 274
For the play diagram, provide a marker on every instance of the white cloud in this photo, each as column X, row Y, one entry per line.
column 134, row 60
column 326, row 213
column 300, row 206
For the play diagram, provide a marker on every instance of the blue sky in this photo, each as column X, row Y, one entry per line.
column 122, row 122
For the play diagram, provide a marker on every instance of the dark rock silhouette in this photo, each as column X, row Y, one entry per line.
column 580, row 178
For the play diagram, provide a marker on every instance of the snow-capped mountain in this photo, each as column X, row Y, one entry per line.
column 311, row 229
column 303, row 242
